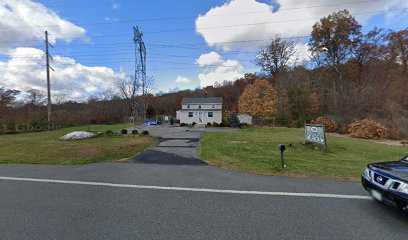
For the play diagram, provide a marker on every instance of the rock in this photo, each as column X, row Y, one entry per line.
column 78, row 135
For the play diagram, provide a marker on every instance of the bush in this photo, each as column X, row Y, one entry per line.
column 183, row 124
column 367, row 129
column 145, row 133
column 134, row 131
column 243, row 125
column 329, row 124
column 109, row 132
column 208, row 124
column 123, row 131
column 193, row 124
column 215, row 124
column 234, row 121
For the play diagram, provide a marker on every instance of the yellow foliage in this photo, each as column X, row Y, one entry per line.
column 329, row 124
column 259, row 100
column 366, row 128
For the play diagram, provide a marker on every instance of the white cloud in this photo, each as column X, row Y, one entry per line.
column 183, row 80
column 259, row 21
column 25, row 70
column 209, row 59
column 111, row 19
column 217, row 70
column 396, row 17
column 22, row 24
column 115, row 6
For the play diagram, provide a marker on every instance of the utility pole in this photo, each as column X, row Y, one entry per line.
column 47, row 57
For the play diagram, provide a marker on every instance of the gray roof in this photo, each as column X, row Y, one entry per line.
column 201, row 100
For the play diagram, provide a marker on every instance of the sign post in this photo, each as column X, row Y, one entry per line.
column 315, row 133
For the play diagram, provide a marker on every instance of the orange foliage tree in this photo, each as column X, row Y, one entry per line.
column 259, row 100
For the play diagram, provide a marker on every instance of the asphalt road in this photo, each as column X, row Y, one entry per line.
column 152, row 199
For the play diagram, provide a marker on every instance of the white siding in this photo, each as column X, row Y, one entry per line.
column 184, row 116
column 245, row 118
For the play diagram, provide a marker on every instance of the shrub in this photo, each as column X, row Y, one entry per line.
column 193, row 124
column 123, row 131
column 208, row 124
column 215, row 124
column 367, row 129
column 234, row 121
column 134, row 131
column 243, row 125
column 109, row 132
column 329, row 124
column 145, row 132
column 183, row 124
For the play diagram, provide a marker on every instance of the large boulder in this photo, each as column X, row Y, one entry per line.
column 78, row 135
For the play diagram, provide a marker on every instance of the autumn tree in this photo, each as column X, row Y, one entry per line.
column 6, row 97
column 398, row 44
column 259, row 100
column 332, row 41
column 275, row 57
column 368, row 47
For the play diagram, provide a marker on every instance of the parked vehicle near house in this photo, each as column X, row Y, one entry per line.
column 387, row 182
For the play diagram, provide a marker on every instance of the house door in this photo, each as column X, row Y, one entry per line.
column 200, row 117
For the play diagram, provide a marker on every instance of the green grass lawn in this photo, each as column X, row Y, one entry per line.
column 46, row 148
column 256, row 150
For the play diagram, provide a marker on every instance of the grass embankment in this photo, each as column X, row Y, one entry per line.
column 47, row 148
column 256, row 150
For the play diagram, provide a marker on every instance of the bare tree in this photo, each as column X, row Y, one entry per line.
column 36, row 97
column 60, row 99
column 129, row 87
column 275, row 57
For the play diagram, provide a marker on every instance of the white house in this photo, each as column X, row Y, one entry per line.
column 200, row 110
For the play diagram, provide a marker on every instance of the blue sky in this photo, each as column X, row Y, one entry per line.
column 220, row 45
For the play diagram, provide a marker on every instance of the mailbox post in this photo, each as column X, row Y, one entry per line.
column 282, row 148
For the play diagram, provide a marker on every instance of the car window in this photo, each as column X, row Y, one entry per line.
column 405, row 158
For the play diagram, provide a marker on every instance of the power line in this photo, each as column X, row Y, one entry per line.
column 194, row 17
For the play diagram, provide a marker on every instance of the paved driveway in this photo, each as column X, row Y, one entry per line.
column 176, row 145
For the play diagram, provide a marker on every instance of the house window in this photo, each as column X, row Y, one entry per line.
column 199, row 106
column 188, row 106
column 210, row 114
column 190, row 114
column 213, row 106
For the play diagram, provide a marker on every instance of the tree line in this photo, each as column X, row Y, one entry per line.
column 351, row 74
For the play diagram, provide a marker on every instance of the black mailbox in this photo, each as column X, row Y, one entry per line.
column 282, row 147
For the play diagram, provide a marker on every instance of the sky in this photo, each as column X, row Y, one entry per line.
column 189, row 44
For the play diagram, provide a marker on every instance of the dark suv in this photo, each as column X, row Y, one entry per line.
column 387, row 182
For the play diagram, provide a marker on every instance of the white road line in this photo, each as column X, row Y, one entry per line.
column 207, row 190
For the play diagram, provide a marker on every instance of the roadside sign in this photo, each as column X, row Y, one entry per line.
column 315, row 133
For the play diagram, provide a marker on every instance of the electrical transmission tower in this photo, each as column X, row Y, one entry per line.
column 140, row 64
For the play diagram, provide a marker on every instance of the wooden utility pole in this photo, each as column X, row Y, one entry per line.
column 47, row 57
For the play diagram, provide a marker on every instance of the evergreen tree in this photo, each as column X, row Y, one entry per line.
column 234, row 122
